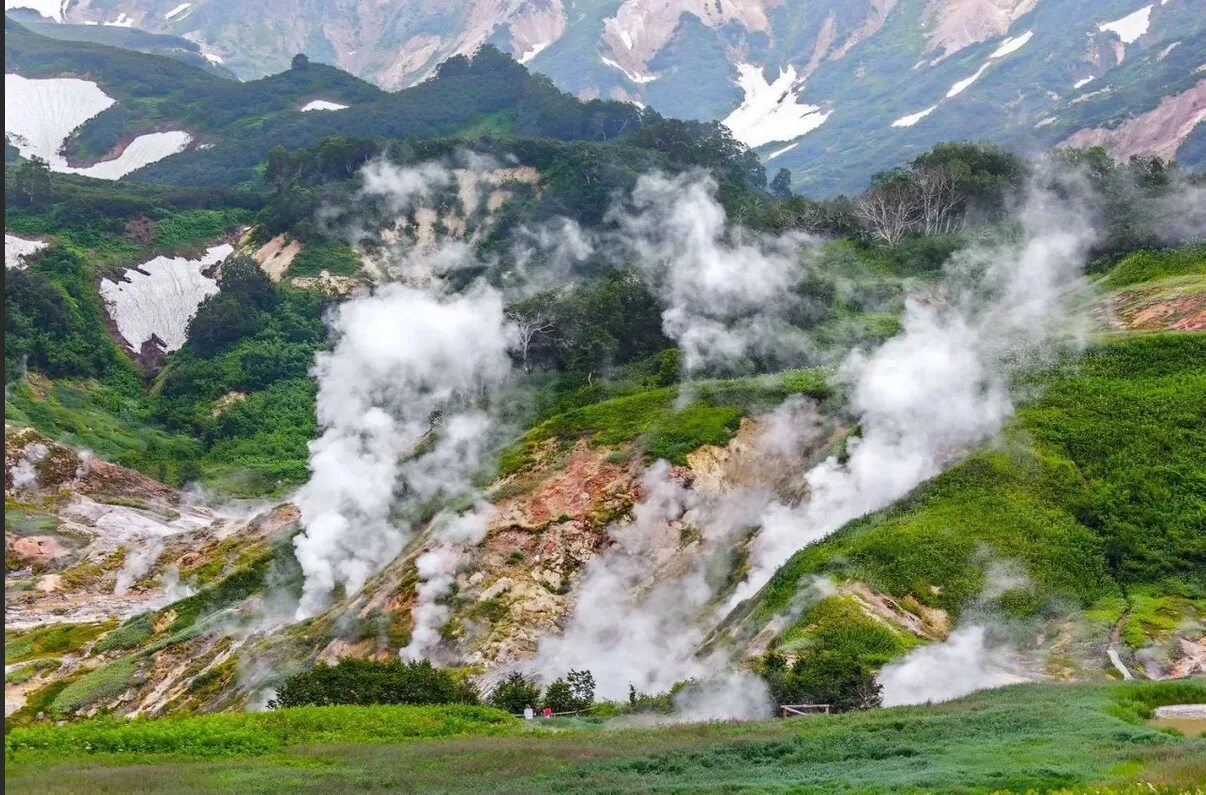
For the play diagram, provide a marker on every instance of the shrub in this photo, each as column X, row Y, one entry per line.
column 363, row 682
column 106, row 682
column 515, row 693
column 127, row 636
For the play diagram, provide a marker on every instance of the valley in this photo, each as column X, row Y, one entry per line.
column 349, row 423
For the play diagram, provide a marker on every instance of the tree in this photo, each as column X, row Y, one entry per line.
column 529, row 327
column 515, row 693
column 300, row 61
column 559, row 697
column 582, row 688
column 353, row 681
column 937, row 190
column 32, row 180
column 837, row 678
column 277, row 167
column 780, row 186
column 890, row 208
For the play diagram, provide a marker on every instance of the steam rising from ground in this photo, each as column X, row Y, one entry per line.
column 397, row 403
column 922, row 399
column 726, row 294
column 404, row 431
column 965, row 662
column 402, row 357
column 941, row 385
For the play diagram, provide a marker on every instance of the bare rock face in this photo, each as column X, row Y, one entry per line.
column 1160, row 131
column 37, row 551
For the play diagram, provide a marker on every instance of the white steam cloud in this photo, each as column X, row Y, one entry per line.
column 726, row 293
column 965, row 662
column 402, row 357
column 941, row 385
column 438, row 567
column 138, row 563
column 645, row 606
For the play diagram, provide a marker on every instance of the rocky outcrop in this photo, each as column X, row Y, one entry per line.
column 1160, row 131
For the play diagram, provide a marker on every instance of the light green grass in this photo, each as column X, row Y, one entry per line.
column 659, row 419
column 1148, row 266
column 1019, row 739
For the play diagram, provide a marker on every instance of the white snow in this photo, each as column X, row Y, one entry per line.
column 213, row 58
column 40, row 114
column 1130, row 27
column 51, row 9
column 322, row 104
column 633, row 76
column 913, row 118
column 1012, row 44
column 958, row 87
column 782, row 151
column 532, row 53
column 16, row 249
column 180, row 9
column 771, row 111
column 161, row 296
column 1084, row 81
column 122, row 21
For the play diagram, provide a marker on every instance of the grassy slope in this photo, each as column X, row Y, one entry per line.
column 1096, row 490
column 1024, row 737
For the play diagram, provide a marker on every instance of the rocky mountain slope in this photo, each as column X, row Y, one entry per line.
column 833, row 91
column 480, row 373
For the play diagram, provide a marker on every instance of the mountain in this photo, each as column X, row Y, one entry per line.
column 833, row 91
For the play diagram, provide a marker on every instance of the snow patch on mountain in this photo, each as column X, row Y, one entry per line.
column 39, row 115
column 1084, row 81
column 178, row 11
column 1130, row 27
column 771, row 111
column 143, row 150
column 536, row 50
column 322, row 104
column 635, row 77
column 159, row 297
column 1012, row 44
column 17, row 249
column 913, row 118
column 959, row 86
column 782, row 151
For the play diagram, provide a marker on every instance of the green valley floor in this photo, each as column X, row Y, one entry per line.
column 1025, row 738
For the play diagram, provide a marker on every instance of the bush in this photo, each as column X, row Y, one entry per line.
column 515, row 693
column 364, row 682
column 843, row 681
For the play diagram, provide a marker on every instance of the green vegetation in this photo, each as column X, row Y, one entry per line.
column 26, row 672
column 1098, row 486
column 259, row 732
column 335, row 258
column 1149, row 265
column 365, row 682
column 106, row 682
column 666, row 430
column 128, row 636
column 1023, row 738
column 49, row 640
